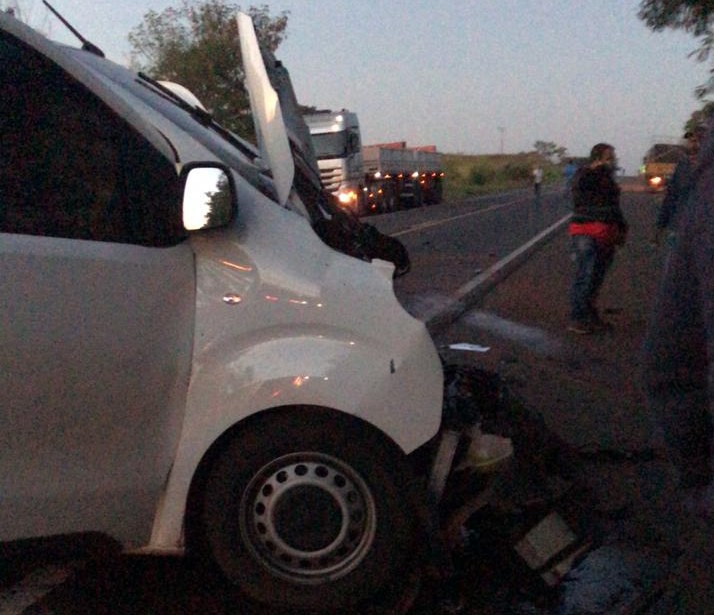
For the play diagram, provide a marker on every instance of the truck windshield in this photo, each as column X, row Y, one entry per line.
column 330, row 144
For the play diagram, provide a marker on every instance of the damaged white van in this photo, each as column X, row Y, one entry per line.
column 186, row 359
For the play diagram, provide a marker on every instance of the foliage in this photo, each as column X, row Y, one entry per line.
column 700, row 118
column 695, row 16
column 220, row 203
column 550, row 151
column 519, row 170
column 692, row 16
column 469, row 175
column 480, row 175
column 197, row 45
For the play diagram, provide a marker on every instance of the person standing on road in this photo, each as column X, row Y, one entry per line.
column 678, row 186
column 596, row 229
column 679, row 343
column 537, row 180
column 568, row 174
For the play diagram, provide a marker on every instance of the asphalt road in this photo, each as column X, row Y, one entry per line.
column 452, row 243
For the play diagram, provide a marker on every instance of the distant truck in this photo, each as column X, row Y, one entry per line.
column 659, row 164
column 372, row 178
column 397, row 175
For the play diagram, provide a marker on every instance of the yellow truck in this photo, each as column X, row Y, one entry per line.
column 659, row 164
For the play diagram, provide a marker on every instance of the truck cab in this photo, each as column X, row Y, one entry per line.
column 338, row 148
column 659, row 164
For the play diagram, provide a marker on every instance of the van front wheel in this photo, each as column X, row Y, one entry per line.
column 304, row 511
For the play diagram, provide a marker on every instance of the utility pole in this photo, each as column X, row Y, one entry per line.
column 501, row 130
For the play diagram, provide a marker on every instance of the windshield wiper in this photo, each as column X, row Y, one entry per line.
column 202, row 116
column 86, row 45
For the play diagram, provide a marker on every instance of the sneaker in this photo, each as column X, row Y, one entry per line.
column 581, row 328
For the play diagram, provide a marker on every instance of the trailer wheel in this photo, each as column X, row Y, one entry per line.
column 308, row 512
column 418, row 194
column 389, row 199
column 438, row 192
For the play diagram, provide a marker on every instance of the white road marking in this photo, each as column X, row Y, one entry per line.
column 425, row 225
column 538, row 340
column 34, row 586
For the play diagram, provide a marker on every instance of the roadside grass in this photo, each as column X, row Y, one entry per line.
column 474, row 175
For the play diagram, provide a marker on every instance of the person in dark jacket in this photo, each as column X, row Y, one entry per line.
column 678, row 186
column 596, row 228
column 679, row 344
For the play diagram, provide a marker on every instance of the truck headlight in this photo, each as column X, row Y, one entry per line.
column 346, row 198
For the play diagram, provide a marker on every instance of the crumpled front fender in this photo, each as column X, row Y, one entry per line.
column 466, row 459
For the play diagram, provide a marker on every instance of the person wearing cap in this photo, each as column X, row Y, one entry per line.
column 678, row 349
column 679, row 185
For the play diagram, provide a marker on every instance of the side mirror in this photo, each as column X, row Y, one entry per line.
column 353, row 146
column 208, row 198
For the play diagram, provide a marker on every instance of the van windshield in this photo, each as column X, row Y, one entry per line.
column 237, row 153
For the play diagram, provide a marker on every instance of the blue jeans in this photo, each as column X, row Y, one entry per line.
column 592, row 261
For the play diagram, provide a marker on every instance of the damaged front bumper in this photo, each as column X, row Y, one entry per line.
column 467, row 458
column 481, row 425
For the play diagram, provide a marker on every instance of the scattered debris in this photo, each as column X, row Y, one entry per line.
column 469, row 347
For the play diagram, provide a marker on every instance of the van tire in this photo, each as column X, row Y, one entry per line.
column 353, row 534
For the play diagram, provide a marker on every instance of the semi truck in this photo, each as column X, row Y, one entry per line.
column 659, row 164
column 397, row 175
column 372, row 178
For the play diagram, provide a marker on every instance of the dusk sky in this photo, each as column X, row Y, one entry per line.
column 467, row 76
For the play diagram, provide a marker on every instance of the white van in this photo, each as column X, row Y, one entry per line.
column 184, row 361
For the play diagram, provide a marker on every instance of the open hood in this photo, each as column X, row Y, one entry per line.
column 268, row 118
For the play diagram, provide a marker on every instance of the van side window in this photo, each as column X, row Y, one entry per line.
column 70, row 167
